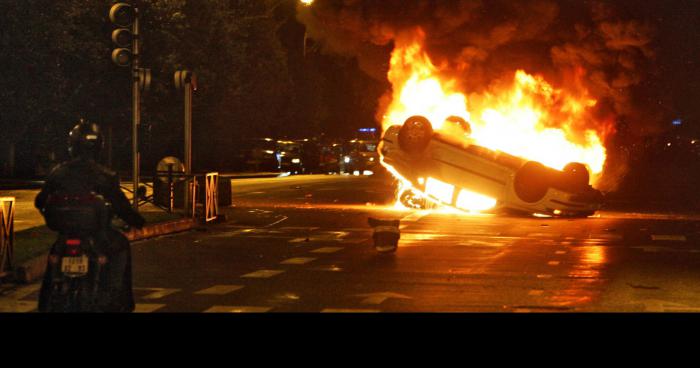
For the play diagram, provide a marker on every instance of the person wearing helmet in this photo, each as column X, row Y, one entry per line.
column 83, row 174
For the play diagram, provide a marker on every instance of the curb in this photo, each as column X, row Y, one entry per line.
column 161, row 228
column 33, row 269
column 252, row 176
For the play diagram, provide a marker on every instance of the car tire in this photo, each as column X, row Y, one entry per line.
column 531, row 182
column 415, row 134
column 576, row 176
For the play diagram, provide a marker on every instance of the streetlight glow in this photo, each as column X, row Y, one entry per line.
column 307, row 2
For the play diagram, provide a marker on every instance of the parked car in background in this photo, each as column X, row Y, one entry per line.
column 256, row 154
column 331, row 156
column 311, row 156
column 290, row 156
column 360, row 157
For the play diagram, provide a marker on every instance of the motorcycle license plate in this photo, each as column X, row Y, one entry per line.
column 74, row 266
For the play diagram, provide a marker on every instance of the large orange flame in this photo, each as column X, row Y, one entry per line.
column 524, row 116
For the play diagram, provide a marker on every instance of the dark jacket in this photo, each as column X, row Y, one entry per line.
column 85, row 176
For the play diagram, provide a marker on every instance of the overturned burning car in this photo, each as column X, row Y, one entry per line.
column 458, row 174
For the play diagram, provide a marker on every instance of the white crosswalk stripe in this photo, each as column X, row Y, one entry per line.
column 326, row 250
column 263, row 274
column 237, row 309
column 298, row 260
column 219, row 290
column 669, row 237
column 147, row 307
column 157, row 293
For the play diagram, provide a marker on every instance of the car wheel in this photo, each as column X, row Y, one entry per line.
column 415, row 134
column 531, row 182
column 576, row 176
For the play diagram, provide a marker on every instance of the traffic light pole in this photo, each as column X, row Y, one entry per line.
column 188, row 145
column 188, row 127
column 136, row 110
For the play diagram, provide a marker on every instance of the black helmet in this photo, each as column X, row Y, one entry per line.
column 85, row 140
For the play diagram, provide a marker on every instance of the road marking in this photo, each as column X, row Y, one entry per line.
column 302, row 228
column 8, row 305
column 326, row 250
column 658, row 249
column 237, row 309
column 669, row 237
column 263, row 274
column 298, row 260
column 560, row 252
column 331, row 268
column 147, row 308
column 544, row 276
column 605, row 236
column 219, row 290
column 535, row 292
column 553, row 263
column 158, row 293
column 299, row 240
column 380, row 297
column 348, row 310
column 655, row 305
column 324, row 236
column 479, row 243
column 277, row 222
column 543, row 235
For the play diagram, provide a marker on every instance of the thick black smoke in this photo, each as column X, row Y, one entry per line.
column 481, row 41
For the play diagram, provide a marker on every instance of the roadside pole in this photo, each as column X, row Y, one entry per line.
column 127, row 54
column 136, row 109
column 186, row 80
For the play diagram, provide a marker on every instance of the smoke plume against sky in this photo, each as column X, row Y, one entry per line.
column 479, row 42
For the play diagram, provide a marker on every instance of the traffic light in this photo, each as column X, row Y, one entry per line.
column 123, row 16
column 183, row 77
column 144, row 79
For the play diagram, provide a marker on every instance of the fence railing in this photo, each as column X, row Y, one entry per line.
column 7, row 234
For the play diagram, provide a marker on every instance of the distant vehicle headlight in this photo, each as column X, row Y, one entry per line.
column 296, row 160
column 270, row 152
column 346, row 159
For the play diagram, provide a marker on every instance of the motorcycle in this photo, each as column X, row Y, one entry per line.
column 78, row 259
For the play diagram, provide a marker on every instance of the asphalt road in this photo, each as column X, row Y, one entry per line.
column 302, row 244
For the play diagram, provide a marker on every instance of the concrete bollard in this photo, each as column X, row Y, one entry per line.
column 386, row 234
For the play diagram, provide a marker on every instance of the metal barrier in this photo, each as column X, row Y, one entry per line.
column 7, row 234
column 211, row 206
column 169, row 189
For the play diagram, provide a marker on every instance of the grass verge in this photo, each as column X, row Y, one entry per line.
column 35, row 241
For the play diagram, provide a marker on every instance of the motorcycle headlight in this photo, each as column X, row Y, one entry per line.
column 296, row 160
column 346, row 159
